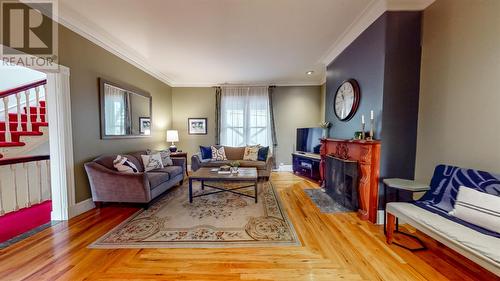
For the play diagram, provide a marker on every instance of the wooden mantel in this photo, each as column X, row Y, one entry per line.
column 367, row 154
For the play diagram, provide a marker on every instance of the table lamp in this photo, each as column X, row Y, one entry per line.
column 173, row 136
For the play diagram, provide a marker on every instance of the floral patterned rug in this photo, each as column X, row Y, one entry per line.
column 218, row 220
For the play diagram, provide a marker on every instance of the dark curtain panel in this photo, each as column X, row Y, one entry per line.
column 128, row 114
column 273, row 128
column 218, row 92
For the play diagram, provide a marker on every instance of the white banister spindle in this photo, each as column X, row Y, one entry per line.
column 8, row 137
column 28, row 111
column 45, row 116
column 19, row 120
column 47, row 167
column 39, row 177
column 28, row 193
column 37, row 92
column 13, row 169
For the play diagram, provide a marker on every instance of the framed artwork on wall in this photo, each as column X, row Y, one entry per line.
column 197, row 126
column 145, row 126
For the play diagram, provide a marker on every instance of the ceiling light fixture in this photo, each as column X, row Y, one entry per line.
column 310, row 72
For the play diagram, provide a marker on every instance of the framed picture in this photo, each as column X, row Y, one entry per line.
column 145, row 126
column 197, row 126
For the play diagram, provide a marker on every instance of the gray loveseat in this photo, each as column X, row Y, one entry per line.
column 109, row 185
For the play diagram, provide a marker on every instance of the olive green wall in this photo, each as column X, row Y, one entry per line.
column 87, row 62
column 323, row 102
column 193, row 103
column 459, row 88
column 294, row 107
column 297, row 106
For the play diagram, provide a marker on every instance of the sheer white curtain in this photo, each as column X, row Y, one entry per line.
column 115, row 105
column 245, row 116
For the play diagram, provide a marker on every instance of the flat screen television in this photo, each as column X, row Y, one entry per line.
column 308, row 140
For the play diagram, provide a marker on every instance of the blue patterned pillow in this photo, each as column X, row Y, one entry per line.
column 263, row 152
column 206, row 152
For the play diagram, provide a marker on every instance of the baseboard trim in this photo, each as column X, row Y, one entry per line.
column 284, row 168
column 81, row 207
column 380, row 217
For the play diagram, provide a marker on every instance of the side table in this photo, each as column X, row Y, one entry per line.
column 406, row 185
column 184, row 155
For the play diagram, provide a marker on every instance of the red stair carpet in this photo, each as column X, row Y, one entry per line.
column 16, row 136
column 19, row 222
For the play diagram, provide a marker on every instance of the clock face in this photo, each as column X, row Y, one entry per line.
column 346, row 100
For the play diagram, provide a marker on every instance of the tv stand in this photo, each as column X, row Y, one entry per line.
column 306, row 164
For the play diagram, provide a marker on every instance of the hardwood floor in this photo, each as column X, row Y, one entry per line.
column 335, row 246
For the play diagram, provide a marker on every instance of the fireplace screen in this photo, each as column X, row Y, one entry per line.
column 341, row 181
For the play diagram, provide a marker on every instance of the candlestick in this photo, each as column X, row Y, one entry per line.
column 363, row 137
column 371, row 128
column 371, row 115
column 362, row 119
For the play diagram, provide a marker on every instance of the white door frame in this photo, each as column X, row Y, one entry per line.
column 62, row 179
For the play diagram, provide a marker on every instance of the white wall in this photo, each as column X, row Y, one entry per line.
column 459, row 116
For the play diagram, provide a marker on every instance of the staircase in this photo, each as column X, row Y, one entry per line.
column 27, row 126
column 25, row 192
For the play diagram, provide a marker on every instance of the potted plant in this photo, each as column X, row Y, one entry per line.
column 235, row 165
column 325, row 126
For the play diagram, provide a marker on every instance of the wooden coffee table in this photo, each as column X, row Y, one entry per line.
column 204, row 175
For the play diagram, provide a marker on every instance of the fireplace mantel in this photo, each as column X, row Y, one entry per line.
column 367, row 153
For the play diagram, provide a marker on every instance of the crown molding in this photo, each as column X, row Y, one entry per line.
column 369, row 15
column 278, row 84
column 408, row 5
column 76, row 23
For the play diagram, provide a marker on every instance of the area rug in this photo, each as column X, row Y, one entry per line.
column 218, row 220
column 324, row 202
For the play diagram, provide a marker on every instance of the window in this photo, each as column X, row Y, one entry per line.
column 245, row 116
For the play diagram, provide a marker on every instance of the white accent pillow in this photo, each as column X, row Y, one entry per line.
column 123, row 165
column 152, row 161
column 251, row 153
column 479, row 208
column 165, row 156
column 218, row 154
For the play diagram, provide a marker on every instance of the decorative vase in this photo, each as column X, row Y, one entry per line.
column 325, row 133
column 234, row 170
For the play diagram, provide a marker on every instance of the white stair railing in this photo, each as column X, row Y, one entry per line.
column 28, row 111
column 37, row 93
column 17, row 94
column 8, row 136
column 23, row 182
column 18, row 100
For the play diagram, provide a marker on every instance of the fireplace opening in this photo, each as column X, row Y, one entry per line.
column 341, row 181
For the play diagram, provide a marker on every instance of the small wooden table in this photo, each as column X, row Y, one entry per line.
column 206, row 175
column 409, row 186
column 181, row 155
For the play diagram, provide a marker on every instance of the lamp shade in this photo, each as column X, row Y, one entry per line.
column 172, row 135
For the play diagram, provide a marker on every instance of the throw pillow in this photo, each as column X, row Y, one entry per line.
column 479, row 208
column 206, row 152
column 123, row 165
column 218, row 154
column 166, row 160
column 152, row 162
column 251, row 153
column 263, row 153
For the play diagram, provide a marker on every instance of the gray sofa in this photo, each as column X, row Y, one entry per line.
column 109, row 185
column 235, row 154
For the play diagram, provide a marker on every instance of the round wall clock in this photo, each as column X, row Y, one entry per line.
column 346, row 100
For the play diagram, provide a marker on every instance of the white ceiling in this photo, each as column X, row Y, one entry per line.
column 210, row 42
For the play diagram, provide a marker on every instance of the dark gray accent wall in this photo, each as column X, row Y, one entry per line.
column 364, row 61
column 385, row 60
